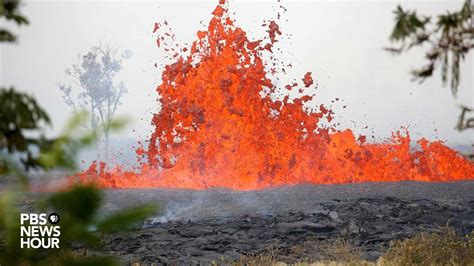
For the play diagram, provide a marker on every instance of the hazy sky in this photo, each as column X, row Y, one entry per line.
column 340, row 42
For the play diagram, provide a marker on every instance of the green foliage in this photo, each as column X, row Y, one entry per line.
column 79, row 206
column 407, row 23
column 9, row 11
column 81, row 221
column 6, row 36
column 449, row 21
column 20, row 114
column 81, row 226
column 21, row 118
column 126, row 219
column 450, row 38
column 62, row 151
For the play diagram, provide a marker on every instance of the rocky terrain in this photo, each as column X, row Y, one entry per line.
column 198, row 227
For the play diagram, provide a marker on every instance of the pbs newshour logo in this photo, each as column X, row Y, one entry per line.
column 39, row 230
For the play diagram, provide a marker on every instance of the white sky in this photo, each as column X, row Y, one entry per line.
column 340, row 42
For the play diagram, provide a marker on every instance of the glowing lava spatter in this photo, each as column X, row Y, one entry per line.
column 219, row 127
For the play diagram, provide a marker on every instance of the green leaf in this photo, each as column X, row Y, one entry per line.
column 450, row 21
column 6, row 36
column 423, row 72
column 118, row 123
column 9, row 220
column 126, row 219
column 406, row 24
column 466, row 11
column 20, row 20
column 75, row 122
column 9, row 166
column 81, row 203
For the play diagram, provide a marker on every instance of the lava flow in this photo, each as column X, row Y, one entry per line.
column 220, row 125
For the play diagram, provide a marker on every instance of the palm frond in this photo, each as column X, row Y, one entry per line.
column 406, row 23
column 394, row 50
column 444, row 69
column 424, row 72
column 455, row 75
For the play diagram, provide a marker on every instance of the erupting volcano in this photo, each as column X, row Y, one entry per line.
column 222, row 124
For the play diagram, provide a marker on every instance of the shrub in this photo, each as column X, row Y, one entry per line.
column 444, row 248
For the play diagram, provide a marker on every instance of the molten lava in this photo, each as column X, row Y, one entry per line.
column 220, row 126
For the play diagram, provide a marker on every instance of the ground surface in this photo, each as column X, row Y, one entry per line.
column 204, row 226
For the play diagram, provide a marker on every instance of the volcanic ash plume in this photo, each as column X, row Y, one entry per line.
column 221, row 126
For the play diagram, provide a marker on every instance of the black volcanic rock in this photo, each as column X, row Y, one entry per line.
column 370, row 222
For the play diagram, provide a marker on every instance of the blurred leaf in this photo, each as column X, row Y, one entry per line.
column 118, row 123
column 125, row 219
column 393, row 50
column 423, row 72
column 10, row 167
column 10, row 235
column 60, row 153
column 6, row 36
column 448, row 22
column 406, row 23
column 19, row 114
column 17, row 18
column 466, row 11
column 88, row 139
column 75, row 123
column 80, row 203
column 9, row 11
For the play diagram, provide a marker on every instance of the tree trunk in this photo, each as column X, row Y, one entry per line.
column 94, row 128
column 106, row 145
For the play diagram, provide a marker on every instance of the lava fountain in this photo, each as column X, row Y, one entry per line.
column 220, row 126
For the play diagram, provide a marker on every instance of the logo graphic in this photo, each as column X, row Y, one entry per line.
column 36, row 232
column 53, row 218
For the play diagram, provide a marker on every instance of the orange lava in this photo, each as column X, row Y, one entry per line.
column 219, row 127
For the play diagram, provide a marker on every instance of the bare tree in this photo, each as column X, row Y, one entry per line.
column 95, row 88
